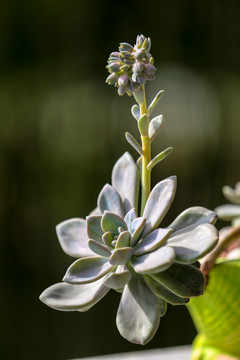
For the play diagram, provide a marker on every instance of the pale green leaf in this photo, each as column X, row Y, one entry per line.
column 121, row 256
column 111, row 222
column 110, row 200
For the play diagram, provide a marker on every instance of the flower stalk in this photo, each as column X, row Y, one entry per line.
column 146, row 157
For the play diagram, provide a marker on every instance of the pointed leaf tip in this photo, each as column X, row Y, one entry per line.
column 125, row 179
column 133, row 142
column 155, row 101
column 158, row 203
column 110, row 200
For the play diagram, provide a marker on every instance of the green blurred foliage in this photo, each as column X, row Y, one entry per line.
column 62, row 129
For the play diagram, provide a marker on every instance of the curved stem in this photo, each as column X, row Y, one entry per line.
column 208, row 262
column 146, row 158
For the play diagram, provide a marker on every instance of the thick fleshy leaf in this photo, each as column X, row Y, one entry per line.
column 110, row 200
column 121, row 256
column 138, row 314
column 98, row 248
column 111, row 222
column 195, row 215
column 155, row 126
column 154, row 262
column 143, row 125
column 135, row 110
column 95, row 212
column 107, row 239
column 94, row 229
column 117, row 280
column 123, row 240
column 72, row 236
column 193, row 242
column 152, row 241
column 125, row 179
column 137, row 228
column 133, row 142
column 129, row 217
column 163, row 306
column 161, row 156
column 233, row 195
column 164, row 293
column 158, row 203
column 155, row 101
column 182, row 280
column 87, row 270
column 228, row 212
column 69, row 297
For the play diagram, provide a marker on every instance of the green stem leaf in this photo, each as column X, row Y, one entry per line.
column 133, row 142
column 159, row 158
column 154, row 102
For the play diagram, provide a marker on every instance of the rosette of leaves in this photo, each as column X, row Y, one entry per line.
column 131, row 66
column 117, row 249
column 230, row 212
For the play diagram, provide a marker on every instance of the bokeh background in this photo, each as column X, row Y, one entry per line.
column 62, row 129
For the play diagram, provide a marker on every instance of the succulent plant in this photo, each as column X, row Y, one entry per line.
column 230, row 212
column 118, row 250
column 120, row 245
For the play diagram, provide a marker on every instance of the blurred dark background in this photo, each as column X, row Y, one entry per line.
column 62, row 129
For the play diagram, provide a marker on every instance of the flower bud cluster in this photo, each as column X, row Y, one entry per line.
column 131, row 66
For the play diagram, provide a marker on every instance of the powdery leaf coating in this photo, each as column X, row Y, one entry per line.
column 118, row 279
column 69, row 297
column 158, row 203
column 125, row 179
column 152, row 241
column 154, row 262
column 155, row 126
column 98, row 248
column 72, row 236
column 193, row 242
column 111, row 222
column 109, row 199
column 138, row 314
column 94, row 230
column 133, row 255
column 87, row 270
column 195, row 215
column 121, row 256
